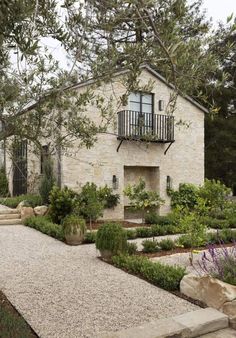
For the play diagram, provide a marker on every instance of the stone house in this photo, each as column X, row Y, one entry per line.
column 143, row 141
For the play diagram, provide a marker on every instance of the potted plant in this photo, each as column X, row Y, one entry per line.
column 111, row 240
column 74, row 229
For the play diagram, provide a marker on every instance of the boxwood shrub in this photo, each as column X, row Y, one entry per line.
column 131, row 233
column 43, row 224
column 164, row 276
column 144, row 232
column 150, row 246
column 166, row 244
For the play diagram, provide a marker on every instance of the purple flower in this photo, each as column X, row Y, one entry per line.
column 219, row 263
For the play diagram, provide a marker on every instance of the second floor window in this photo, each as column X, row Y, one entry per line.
column 141, row 118
column 141, row 102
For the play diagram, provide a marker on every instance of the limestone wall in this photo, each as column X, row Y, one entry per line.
column 184, row 162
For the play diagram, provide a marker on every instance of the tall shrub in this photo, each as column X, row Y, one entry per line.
column 62, row 203
column 214, row 193
column 47, row 181
column 185, row 197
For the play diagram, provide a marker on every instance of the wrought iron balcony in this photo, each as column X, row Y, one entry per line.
column 133, row 125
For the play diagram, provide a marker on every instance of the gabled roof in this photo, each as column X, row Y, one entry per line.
column 155, row 74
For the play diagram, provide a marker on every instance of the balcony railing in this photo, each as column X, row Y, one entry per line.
column 133, row 125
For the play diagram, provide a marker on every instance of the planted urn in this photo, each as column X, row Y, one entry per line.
column 74, row 229
column 111, row 240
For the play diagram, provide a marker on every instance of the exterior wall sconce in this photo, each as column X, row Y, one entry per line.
column 168, row 183
column 115, row 182
column 161, row 105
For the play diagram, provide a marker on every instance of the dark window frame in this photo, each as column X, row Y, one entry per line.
column 142, row 123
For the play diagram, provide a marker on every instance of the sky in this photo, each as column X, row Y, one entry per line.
column 219, row 10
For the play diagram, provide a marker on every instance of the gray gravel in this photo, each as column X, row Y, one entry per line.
column 65, row 291
column 181, row 259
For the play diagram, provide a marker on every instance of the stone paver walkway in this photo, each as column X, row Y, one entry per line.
column 65, row 291
column 227, row 333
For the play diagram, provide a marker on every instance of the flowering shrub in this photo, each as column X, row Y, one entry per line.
column 220, row 263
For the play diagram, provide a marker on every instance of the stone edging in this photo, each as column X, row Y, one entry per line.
column 188, row 325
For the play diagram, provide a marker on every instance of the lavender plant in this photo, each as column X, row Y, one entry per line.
column 219, row 263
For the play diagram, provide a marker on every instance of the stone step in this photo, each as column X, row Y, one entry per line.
column 189, row 325
column 9, row 216
column 8, row 211
column 10, row 221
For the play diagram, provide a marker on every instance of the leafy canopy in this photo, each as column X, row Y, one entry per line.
column 97, row 38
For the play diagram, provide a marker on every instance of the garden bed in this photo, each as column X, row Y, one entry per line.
column 178, row 251
column 12, row 324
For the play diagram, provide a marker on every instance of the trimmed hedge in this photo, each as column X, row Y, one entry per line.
column 164, row 276
column 12, row 202
column 43, row 224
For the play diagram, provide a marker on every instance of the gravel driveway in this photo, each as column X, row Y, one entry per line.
column 65, row 291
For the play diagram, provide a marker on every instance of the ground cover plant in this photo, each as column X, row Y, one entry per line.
column 12, row 202
column 12, row 325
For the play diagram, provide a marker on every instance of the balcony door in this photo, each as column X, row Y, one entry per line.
column 141, row 118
